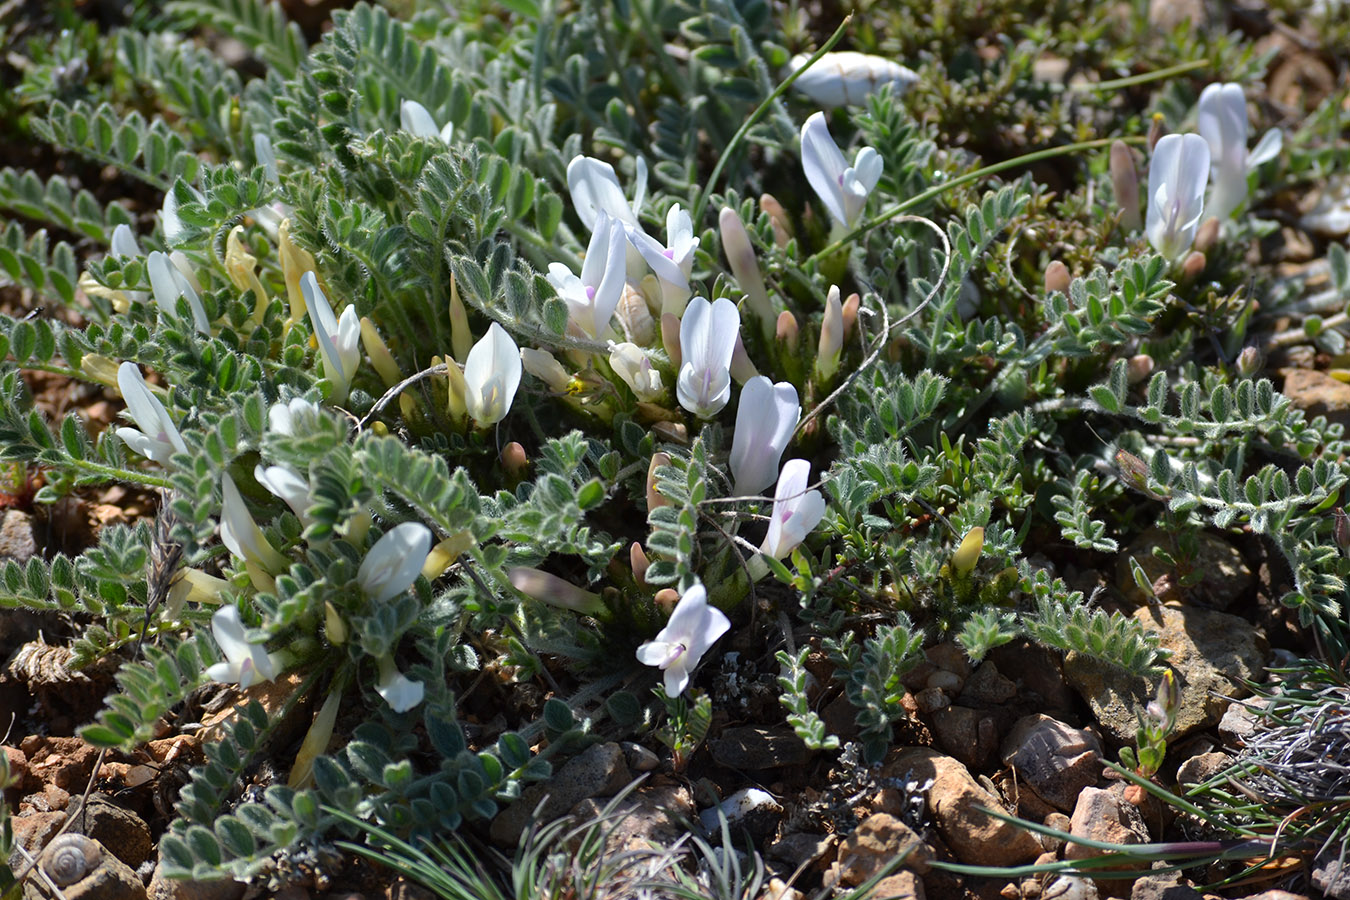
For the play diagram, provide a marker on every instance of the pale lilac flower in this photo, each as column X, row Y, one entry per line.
column 796, row 511
column 1222, row 122
column 846, row 78
column 595, row 189
column 491, row 376
column 841, row 187
column 741, row 257
column 168, row 284
column 397, row 689
column 282, row 417
column 631, row 363
column 393, row 564
column 414, row 118
column 707, row 340
column 693, row 628
column 339, row 338
column 241, row 534
column 156, row 437
column 555, row 591
column 1176, row 193
column 765, row 419
column 285, row 483
column 245, row 664
column 592, row 297
column 673, row 262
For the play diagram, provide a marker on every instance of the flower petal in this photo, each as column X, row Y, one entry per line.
column 595, row 188
column 824, row 165
column 393, row 564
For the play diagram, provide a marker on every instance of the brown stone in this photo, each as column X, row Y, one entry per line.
column 1053, row 759
column 1318, row 394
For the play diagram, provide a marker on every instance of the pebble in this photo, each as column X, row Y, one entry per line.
column 639, row 758
column 752, row 747
column 876, row 843
column 987, row 686
column 598, row 771
column 123, row 833
column 966, row 734
column 1054, row 759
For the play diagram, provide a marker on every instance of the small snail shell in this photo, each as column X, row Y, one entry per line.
column 71, row 858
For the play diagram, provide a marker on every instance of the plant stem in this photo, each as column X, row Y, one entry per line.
column 1144, row 78
column 739, row 136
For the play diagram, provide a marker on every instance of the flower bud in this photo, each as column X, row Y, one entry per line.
column 850, row 310
column 513, row 460
column 741, row 257
column 1139, row 367
column 99, row 368
column 461, row 338
column 1156, row 130
column 444, row 554
column 333, row 624
column 666, row 598
column 1057, row 277
column 787, row 330
column 378, row 354
column 1125, row 181
column 1249, row 362
column 1341, row 529
column 654, row 498
column 670, row 338
column 1206, row 235
column 545, row 366
column 675, row 432
column 778, row 217
column 846, row 77
column 968, row 553
column 295, row 262
column 742, row 369
column 554, row 591
column 831, row 337
column 456, row 389
column 637, row 558
column 1194, row 266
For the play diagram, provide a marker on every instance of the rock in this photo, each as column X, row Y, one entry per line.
column 83, row 870
column 801, row 848
column 1201, row 641
column 903, row 885
column 639, row 758
column 599, row 771
column 1039, row 676
column 1167, row 15
column 987, row 686
column 1067, row 887
column 17, row 540
column 1227, row 576
column 162, row 888
column 32, row 832
column 949, row 657
column 1061, row 823
column 1163, row 887
column 1238, row 723
column 123, row 833
column 66, row 762
column 1053, row 759
column 947, row 682
column 1317, row 394
column 1331, row 875
column 17, row 763
column 654, row 814
column 1103, row 816
column 973, row 836
column 1202, row 767
column 749, row 809
column 930, row 700
column 751, row 747
column 875, row 844
column 777, row 889
column 966, row 734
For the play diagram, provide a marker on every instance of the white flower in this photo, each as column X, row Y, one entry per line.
column 242, row 535
column 491, row 376
column 673, row 262
column 842, row 188
column 694, row 627
column 796, row 511
column 168, row 284
column 399, row 691
column 1222, row 122
column 339, row 338
column 395, row 561
column 847, row 77
column 707, row 340
column 592, row 297
column 266, row 157
column 765, row 418
column 282, row 417
column 632, row 364
column 157, row 437
column 246, row 664
column 124, row 242
column 545, row 366
column 1176, row 193
column 168, row 214
column 595, row 189
column 414, row 119
column 286, row 483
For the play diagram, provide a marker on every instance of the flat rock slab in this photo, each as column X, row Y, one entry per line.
column 751, row 747
column 1213, row 654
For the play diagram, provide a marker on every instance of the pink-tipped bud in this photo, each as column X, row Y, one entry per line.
column 742, row 369
column 787, row 329
column 1125, row 181
column 1341, row 529
column 1157, row 130
column 654, row 498
column 1139, row 367
column 741, row 257
column 1249, row 362
column 831, row 336
column 1194, row 265
column 675, row 432
column 851, row 307
column 514, row 461
column 637, row 558
column 666, row 598
column 1206, row 234
column 1057, row 277
column 782, row 225
column 670, row 338
column 554, row 591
